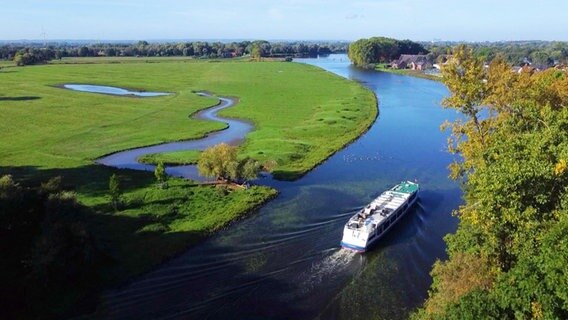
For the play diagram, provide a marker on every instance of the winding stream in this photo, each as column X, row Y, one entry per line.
column 234, row 134
column 285, row 261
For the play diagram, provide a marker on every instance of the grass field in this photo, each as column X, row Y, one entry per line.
column 301, row 115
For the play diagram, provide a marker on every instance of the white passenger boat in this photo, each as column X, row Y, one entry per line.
column 373, row 221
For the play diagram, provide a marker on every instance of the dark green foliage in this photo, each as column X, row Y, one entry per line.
column 475, row 305
column 30, row 56
column 541, row 54
column 47, row 249
column 537, row 284
column 35, row 53
column 364, row 52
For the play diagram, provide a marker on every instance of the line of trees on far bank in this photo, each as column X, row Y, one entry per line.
column 35, row 54
column 540, row 54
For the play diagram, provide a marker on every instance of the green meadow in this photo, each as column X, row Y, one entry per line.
column 301, row 115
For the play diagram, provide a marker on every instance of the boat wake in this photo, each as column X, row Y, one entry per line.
column 338, row 261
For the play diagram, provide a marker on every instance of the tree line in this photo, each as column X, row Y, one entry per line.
column 199, row 49
column 508, row 257
column 541, row 54
column 364, row 52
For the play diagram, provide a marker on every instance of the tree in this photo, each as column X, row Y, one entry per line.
column 160, row 174
column 464, row 75
column 220, row 162
column 256, row 52
column 456, row 277
column 215, row 161
column 249, row 169
column 19, row 59
column 512, row 226
column 187, row 51
column 364, row 52
column 47, row 249
column 84, row 52
column 115, row 191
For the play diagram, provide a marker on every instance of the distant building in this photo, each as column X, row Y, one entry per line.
column 528, row 69
column 412, row 61
column 562, row 67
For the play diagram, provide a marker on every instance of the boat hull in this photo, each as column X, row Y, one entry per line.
column 360, row 246
column 353, row 247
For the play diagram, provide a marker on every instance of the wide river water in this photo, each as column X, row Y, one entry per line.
column 285, row 262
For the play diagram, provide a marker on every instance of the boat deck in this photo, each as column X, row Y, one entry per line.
column 381, row 207
column 406, row 187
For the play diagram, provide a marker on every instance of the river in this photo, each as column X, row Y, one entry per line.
column 284, row 262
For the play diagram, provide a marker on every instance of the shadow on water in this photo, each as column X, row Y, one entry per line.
column 178, row 293
column 21, row 98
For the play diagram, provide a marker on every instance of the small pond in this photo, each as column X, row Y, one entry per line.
column 112, row 90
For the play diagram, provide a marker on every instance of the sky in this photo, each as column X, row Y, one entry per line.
column 420, row 20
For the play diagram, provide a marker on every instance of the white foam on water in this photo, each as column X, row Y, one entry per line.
column 337, row 262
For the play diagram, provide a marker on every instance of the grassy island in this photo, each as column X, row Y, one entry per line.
column 301, row 114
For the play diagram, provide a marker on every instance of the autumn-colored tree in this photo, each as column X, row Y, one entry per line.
column 456, row 277
column 220, row 162
column 513, row 146
column 47, row 248
column 215, row 162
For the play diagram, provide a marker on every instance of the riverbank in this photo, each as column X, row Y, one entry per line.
column 158, row 223
column 407, row 72
column 53, row 132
